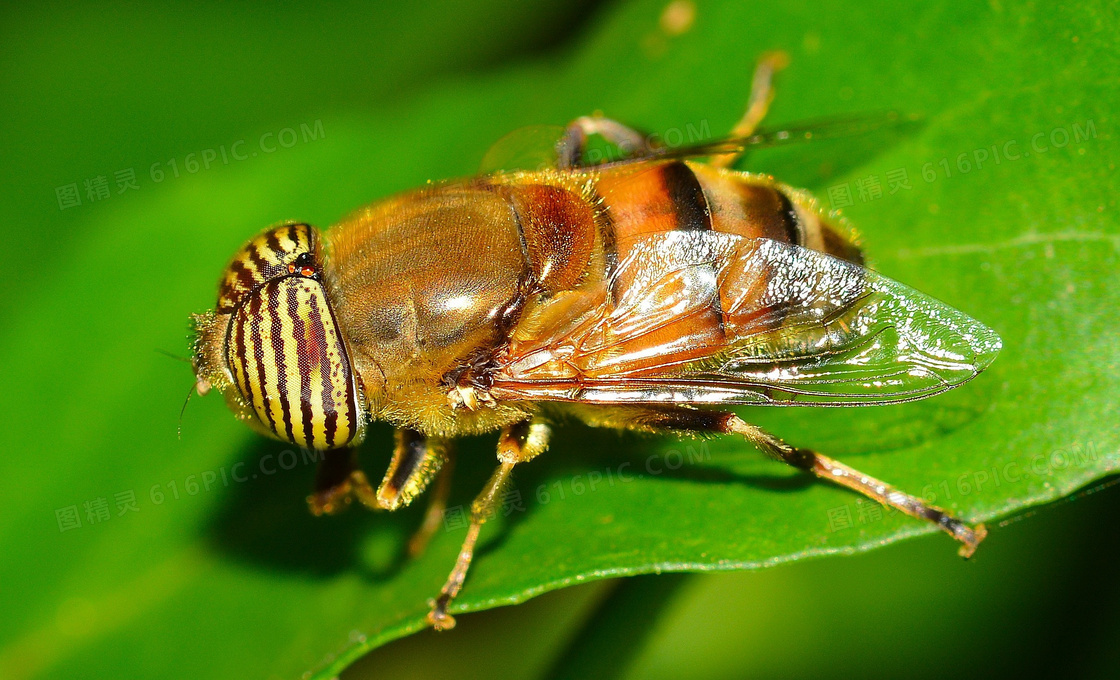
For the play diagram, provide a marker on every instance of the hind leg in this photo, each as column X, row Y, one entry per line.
column 762, row 94
column 681, row 419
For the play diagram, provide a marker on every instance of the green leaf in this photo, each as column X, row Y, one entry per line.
column 237, row 579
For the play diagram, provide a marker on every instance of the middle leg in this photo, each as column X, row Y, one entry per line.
column 571, row 147
column 518, row 443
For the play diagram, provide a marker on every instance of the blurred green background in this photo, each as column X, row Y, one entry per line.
column 141, row 145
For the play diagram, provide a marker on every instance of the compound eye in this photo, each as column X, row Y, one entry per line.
column 283, row 346
column 290, row 365
column 276, row 252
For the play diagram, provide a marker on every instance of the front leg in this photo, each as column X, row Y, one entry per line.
column 518, row 443
column 416, row 460
column 338, row 481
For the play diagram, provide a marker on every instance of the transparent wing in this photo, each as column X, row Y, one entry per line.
column 796, row 133
column 527, row 148
column 708, row 318
column 535, row 147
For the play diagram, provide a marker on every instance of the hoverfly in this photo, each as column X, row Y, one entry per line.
column 648, row 293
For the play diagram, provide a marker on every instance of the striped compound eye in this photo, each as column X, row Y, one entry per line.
column 283, row 346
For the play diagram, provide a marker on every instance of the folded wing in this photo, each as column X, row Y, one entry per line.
column 701, row 317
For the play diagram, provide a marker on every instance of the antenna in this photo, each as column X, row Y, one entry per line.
column 184, row 410
column 173, row 356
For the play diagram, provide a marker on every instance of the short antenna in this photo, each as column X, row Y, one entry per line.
column 184, row 410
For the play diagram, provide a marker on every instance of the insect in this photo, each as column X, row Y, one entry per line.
column 649, row 293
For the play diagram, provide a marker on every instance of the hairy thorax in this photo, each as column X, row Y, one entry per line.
column 423, row 285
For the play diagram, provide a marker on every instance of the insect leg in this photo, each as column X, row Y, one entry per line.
column 518, row 443
column 433, row 517
column 762, row 94
column 569, row 149
column 835, row 471
column 337, row 481
column 652, row 419
column 416, row 460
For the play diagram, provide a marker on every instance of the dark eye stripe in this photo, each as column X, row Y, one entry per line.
column 247, row 355
column 262, row 259
column 272, row 244
column 239, row 366
column 288, row 328
column 297, row 342
column 263, row 359
column 326, row 389
column 280, row 345
column 337, row 397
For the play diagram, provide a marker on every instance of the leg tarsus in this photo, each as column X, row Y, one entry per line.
column 338, row 481
column 482, row 509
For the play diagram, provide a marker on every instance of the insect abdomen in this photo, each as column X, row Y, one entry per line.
column 657, row 197
column 644, row 199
